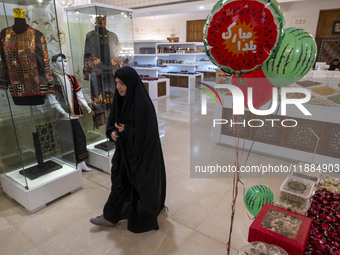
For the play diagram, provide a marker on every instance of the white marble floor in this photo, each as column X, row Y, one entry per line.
column 199, row 213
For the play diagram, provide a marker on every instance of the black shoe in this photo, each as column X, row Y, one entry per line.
column 164, row 209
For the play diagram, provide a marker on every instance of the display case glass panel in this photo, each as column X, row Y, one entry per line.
column 101, row 38
column 33, row 150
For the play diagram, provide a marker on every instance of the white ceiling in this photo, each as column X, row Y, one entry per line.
column 144, row 8
column 147, row 3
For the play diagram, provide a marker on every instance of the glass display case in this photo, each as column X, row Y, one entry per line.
column 36, row 156
column 101, row 38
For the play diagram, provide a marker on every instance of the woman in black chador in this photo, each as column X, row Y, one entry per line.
column 138, row 172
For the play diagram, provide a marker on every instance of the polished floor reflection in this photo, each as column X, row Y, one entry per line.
column 199, row 213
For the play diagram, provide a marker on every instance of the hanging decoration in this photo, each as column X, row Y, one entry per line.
column 261, row 87
column 245, row 38
column 241, row 35
column 294, row 58
column 236, row 181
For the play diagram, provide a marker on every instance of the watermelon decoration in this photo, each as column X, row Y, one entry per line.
column 262, row 88
column 240, row 35
column 256, row 197
column 294, row 58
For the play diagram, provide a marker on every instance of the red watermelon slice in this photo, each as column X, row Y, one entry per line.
column 262, row 88
column 240, row 35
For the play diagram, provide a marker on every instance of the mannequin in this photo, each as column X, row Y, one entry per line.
column 101, row 52
column 68, row 95
column 25, row 61
column 102, row 44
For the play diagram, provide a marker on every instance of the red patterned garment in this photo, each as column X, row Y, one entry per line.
column 26, row 63
column 67, row 96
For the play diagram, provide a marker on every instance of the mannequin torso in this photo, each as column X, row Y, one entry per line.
column 67, row 88
column 34, row 78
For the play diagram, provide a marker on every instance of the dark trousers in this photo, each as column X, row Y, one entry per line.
column 72, row 140
column 79, row 139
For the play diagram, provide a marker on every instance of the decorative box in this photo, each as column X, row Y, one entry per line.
column 296, row 189
column 275, row 225
column 292, row 206
column 173, row 39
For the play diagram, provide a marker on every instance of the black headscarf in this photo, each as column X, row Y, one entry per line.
column 332, row 66
column 139, row 143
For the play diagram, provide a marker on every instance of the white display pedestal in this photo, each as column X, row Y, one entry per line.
column 99, row 158
column 36, row 198
column 157, row 89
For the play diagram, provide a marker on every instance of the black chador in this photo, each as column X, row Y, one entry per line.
column 138, row 172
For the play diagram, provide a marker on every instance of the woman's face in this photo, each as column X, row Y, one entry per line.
column 121, row 87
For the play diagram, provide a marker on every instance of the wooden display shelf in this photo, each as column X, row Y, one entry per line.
column 147, row 68
column 208, row 75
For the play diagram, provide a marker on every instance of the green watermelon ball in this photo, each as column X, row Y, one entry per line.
column 294, row 58
column 256, row 197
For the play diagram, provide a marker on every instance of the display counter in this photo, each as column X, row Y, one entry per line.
column 189, row 81
column 314, row 139
column 323, row 74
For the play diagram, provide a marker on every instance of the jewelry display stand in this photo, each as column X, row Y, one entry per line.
column 106, row 146
column 42, row 167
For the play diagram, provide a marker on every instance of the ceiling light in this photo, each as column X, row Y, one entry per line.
column 201, row 7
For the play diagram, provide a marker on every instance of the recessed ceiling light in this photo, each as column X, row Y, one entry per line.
column 201, row 7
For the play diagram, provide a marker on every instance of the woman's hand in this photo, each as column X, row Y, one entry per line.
column 114, row 136
column 120, row 127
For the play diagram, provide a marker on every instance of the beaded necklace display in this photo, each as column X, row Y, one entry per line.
column 103, row 38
